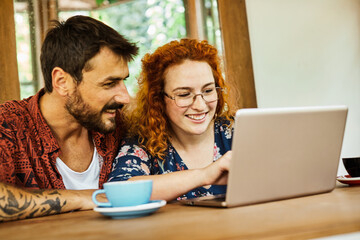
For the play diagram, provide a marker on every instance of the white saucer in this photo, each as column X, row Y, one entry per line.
column 131, row 212
column 349, row 180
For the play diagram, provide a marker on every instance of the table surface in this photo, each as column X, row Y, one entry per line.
column 307, row 217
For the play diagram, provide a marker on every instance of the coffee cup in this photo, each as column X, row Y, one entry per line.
column 352, row 166
column 125, row 193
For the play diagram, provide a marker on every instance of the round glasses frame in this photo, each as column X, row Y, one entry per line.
column 218, row 89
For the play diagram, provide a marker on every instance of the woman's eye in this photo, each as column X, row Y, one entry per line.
column 183, row 95
column 209, row 90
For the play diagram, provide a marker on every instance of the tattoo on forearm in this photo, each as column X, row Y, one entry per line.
column 19, row 204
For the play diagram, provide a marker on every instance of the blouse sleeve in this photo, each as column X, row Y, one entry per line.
column 132, row 160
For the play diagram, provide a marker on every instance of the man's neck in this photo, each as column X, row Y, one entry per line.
column 62, row 124
column 74, row 140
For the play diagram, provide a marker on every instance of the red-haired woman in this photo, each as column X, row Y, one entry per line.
column 181, row 124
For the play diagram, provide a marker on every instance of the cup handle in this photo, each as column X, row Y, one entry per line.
column 100, row 204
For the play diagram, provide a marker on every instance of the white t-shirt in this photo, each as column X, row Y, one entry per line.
column 89, row 179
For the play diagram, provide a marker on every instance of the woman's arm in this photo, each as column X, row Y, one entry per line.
column 17, row 203
column 172, row 185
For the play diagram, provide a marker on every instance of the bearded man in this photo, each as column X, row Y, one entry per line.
column 62, row 141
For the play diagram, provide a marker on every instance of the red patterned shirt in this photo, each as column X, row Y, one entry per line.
column 28, row 149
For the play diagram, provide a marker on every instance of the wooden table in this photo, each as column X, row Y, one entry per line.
column 300, row 218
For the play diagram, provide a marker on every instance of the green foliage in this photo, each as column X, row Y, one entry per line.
column 24, row 54
column 149, row 23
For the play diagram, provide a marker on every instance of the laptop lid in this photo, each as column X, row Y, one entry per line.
column 281, row 153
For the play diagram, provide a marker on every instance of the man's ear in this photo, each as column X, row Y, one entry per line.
column 62, row 82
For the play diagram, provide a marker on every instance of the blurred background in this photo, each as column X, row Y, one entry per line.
column 149, row 23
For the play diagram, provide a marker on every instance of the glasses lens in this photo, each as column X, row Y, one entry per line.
column 185, row 100
column 210, row 95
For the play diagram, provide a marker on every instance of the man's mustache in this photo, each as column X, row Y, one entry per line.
column 113, row 106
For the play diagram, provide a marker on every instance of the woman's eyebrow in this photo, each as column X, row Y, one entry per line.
column 189, row 88
column 208, row 84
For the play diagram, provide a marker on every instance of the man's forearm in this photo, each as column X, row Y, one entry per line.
column 16, row 203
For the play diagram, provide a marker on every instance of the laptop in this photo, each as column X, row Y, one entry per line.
column 281, row 153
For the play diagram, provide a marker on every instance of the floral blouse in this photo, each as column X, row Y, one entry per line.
column 133, row 160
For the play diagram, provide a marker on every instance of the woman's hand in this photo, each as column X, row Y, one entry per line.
column 217, row 172
column 172, row 185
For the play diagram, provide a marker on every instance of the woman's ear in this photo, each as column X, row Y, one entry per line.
column 62, row 82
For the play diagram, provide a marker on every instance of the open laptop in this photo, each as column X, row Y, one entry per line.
column 281, row 153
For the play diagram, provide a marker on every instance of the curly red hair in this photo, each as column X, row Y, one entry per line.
column 148, row 119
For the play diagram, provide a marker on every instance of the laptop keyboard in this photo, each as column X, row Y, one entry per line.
column 215, row 198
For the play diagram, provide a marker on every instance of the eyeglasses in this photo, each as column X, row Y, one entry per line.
column 185, row 98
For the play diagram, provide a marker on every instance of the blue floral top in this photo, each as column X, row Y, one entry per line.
column 133, row 160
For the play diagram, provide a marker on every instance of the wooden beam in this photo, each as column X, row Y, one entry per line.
column 237, row 54
column 53, row 9
column 195, row 26
column 9, row 79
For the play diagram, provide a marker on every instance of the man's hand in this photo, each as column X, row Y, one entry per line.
column 17, row 203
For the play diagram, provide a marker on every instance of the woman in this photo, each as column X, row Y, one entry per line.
column 181, row 124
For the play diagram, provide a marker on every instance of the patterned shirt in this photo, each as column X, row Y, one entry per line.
column 28, row 148
column 133, row 160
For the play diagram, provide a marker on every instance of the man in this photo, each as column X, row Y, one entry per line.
column 67, row 135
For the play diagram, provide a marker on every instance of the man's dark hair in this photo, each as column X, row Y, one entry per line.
column 71, row 44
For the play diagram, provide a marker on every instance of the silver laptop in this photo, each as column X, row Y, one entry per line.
column 281, row 153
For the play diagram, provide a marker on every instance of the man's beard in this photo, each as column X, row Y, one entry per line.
column 89, row 118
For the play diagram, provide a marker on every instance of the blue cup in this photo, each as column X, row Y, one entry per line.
column 125, row 193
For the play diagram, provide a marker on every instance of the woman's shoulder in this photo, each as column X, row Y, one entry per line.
column 131, row 146
column 224, row 124
column 130, row 140
column 224, row 128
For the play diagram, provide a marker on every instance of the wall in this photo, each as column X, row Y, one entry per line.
column 307, row 52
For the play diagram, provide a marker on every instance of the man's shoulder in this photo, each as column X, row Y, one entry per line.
column 12, row 106
column 15, row 111
column 22, row 107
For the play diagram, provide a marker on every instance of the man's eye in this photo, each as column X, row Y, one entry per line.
column 109, row 84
